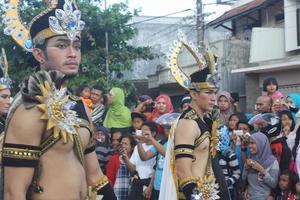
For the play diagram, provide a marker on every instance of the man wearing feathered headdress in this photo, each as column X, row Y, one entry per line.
column 193, row 157
column 48, row 150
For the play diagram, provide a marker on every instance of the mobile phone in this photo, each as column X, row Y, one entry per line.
column 138, row 132
column 238, row 132
column 235, row 96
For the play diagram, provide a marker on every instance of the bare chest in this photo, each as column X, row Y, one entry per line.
column 83, row 135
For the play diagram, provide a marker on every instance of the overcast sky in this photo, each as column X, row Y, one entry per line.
column 165, row 7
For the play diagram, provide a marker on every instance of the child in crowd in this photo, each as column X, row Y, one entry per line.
column 228, row 161
column 270, row 86
column 85, row 94
column 297, row 189
column 286, row 187
column 137, row 121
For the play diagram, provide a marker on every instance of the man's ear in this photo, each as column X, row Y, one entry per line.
column 39, row 55
column 193, row 94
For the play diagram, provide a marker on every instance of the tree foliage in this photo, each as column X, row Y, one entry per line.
column 114, row 20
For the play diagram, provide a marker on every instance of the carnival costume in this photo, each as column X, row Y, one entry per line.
column 63, row 113
column 212, row 185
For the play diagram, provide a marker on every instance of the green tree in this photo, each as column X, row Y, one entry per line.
column 114, row 20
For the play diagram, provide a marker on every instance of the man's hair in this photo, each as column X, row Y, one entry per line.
column 123, row 131
column 152, row 126
column 268, row 81
column 131, row 139
column 98, row 87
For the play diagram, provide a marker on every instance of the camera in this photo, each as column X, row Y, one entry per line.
column 138, row 132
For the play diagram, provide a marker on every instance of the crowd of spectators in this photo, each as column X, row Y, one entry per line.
column 257, row 163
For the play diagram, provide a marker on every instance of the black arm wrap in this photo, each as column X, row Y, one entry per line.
column 184, row 151
column 20, row 155
column 188, row 190
column 89, row 149
column 108, row 192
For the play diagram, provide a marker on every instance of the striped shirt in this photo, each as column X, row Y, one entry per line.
column 104, row 153
column 230, row 167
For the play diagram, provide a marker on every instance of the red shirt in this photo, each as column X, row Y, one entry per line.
column 112, row 168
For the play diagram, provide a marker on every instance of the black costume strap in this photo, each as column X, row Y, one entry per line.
column 107, row 192
column 89, row 149
column 20, row 155
column 184, row 151
column 187, row 185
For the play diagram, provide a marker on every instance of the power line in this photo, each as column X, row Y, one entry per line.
column 158, row 17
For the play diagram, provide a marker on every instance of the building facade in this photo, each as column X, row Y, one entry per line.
column 271, row 28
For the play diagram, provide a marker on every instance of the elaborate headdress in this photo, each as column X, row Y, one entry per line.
column 205, row 77
column 60, row 18
column 5, row 81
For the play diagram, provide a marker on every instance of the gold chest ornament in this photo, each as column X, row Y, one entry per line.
column 56, row 107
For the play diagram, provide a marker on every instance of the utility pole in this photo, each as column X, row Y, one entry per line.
column 106, row 48
column 200, row 23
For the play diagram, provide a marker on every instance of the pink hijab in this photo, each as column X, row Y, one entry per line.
column 169, row 107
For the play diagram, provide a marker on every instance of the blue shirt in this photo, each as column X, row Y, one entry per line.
column 160, row 159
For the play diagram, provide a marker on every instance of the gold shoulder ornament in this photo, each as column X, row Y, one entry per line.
column 56, row 107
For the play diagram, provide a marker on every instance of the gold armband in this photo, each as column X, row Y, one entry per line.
column 20, row 155
column 186, row 181
column 98, row 185
column 184, row 151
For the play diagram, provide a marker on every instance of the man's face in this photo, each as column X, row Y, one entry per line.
column 62, row 55
column 115, row 140
column 4, row 101
column 262, row 105
column 205, row 99
column 96, row 96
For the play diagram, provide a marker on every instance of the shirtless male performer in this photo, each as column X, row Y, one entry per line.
column 195, row 143
column 48, row 152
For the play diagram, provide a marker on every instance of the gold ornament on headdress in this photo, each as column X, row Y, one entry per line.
column 202, row 61
column 14, row 25
column 56, row 107
column 66, row 21
column 172, row 62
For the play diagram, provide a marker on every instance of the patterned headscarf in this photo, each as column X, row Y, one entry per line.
column 264, row 154
column 224, row 140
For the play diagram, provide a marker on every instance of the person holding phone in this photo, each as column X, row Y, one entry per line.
column 142, row 170
column 122, row 183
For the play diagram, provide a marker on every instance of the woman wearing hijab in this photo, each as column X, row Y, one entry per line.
column 293, row 103
column 261, row 172
column 163, row 105
column 225, row 105
column 118, row 115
